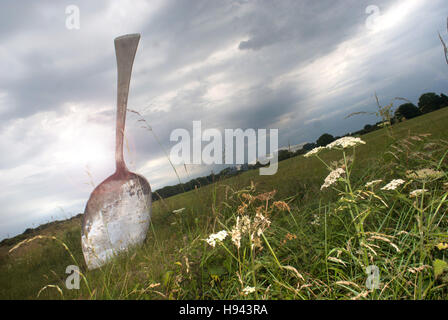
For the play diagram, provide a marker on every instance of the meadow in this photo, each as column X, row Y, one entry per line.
column 360, row 220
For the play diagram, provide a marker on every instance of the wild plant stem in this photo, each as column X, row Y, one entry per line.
column 358, row 225
column 270, row 249
column 254, row 278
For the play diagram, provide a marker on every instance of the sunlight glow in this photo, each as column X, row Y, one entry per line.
column 80, row 140
column 83, row 150
column 396, row 15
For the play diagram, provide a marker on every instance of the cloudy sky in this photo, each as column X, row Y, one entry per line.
column 299, row 66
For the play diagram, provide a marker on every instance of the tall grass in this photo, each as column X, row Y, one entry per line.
column 445, row 49
column 283, row 236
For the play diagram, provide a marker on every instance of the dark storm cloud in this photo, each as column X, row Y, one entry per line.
column 284, row 21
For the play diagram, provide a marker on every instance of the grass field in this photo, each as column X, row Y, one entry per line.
column 299, row 242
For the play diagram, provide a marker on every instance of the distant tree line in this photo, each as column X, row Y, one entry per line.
column 427, row 102
column 195, row 183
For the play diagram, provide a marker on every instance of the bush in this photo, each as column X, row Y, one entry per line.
column 324, row 139
column 407, row 110
column 429, row 102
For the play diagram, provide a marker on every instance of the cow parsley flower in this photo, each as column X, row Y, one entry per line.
column 332, row 177
column 314, row 151
column 316, row 220
column 371, row 183
column 345, row 142
column 424, row 174
column 393, row 184
column 248, row 290
column 216, row 237
column 417, row 192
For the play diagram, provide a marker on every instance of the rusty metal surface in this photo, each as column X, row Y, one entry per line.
column 118, row 212
column 117, row 216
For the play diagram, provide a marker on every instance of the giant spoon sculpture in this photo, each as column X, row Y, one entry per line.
column 118, row 212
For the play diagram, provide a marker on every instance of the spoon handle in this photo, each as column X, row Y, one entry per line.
column 125, row 49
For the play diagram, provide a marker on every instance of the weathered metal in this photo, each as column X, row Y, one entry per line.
column 118, row 212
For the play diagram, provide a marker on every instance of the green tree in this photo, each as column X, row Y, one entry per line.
column 284, row 154
column 407, row 110
column 444, row 100
column 429, row 102
column 324, row 139
column 309, row 146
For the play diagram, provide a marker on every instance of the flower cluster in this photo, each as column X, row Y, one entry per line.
column 344, row 142
column 332, row 177
column 254, row 228
column 254, row 224
column 424, row 174
column 216, row 237
column 241, row 227
column 248, row 290
column 316, row 221
column 289, row 237
column 417, row 192
column 266, row 196
column 281, row 205
column 393, row 184
column 371, row 183
column 314, row 151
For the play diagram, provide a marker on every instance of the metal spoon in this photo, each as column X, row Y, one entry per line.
column 118, row 212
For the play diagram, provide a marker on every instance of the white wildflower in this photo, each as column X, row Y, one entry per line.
column 417, row 192
column 261, row 223
column 248, row 290
column 418, row 269
column 178, row 210
column 314, row 151
column 371, row 183
column 345, row 142
column 216, row 237
column 424, row 174
column 236, row 236
column 332, row 177
column 393, row 184
column 241, row 227
column 235, row 233
column 245, row 224
column 316, row 220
